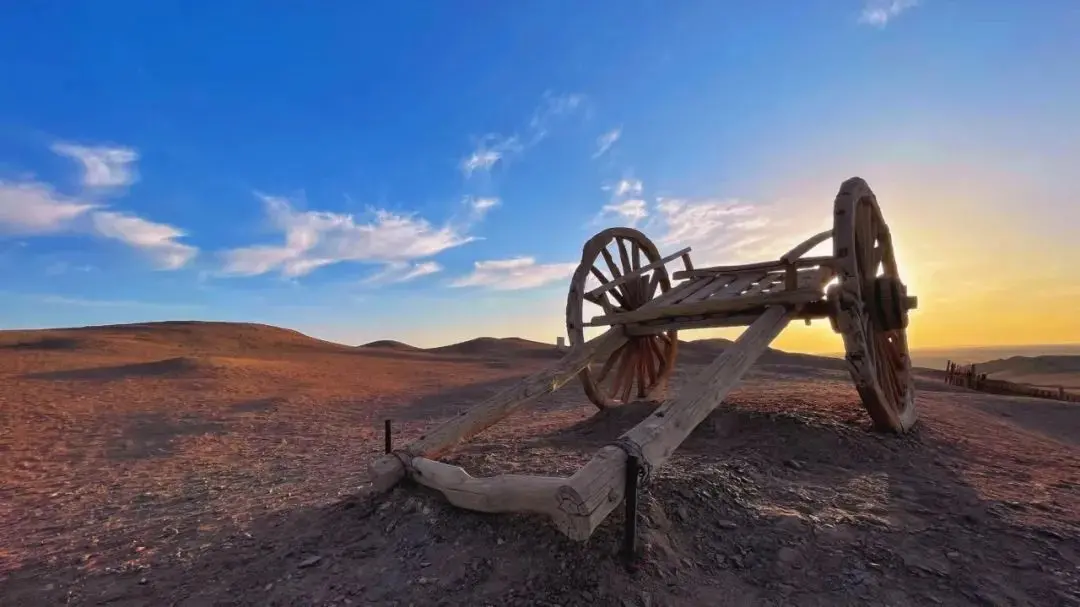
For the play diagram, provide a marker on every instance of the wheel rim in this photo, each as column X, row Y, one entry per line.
column 877, row 350
column 642, row 366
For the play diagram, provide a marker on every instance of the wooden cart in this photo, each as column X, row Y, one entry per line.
column 624, row 278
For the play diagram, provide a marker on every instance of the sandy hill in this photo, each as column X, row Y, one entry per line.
column 212, row 337
column 390, row 344
column 1049, row 370
column 504, row 347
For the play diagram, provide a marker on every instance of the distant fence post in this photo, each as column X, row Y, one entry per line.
column 560, row 343
column 1061, row 392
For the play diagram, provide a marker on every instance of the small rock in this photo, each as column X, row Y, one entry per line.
column 794, row 464
column 49, row 587
column 267, row 587
column 142, row 581
column 310, row 561
column 953, row 554
column 725, row 524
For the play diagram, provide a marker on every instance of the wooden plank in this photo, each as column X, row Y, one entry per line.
column 634, row 274
column 711, row 286
column 684, row 323
column 765, row 284
column 803, row 247
column 765, row 266
column 593, row 492
column 709, row 306
column 386, row 471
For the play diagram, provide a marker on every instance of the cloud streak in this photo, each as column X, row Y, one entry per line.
column 878, row 13
column 159, row 241
column 605, row 141
column 33, row 208
column 313, row 239
column 514, row 274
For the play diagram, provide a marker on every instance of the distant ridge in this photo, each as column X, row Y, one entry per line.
column 499, row 346
column 390, row 344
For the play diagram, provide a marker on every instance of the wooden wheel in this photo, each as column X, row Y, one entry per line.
column 643, row 364
column 870, row 305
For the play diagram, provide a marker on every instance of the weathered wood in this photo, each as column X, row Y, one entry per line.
column 636, row 273
column 504, row 493
column 709, row 306
column 764, row 266
column 805, row 246
column 593, row 492
column 387, row 470
column 683, row 323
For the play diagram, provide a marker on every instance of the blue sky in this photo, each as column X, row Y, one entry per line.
column 428, row 171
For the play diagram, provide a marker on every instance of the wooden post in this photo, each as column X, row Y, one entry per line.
column 386, row 471
column 1061, row 392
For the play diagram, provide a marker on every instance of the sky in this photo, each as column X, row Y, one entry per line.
column 429, row 171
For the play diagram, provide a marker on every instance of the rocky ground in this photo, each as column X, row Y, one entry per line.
column 195, row 466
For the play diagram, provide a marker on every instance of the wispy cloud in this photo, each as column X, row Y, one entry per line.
column 494, row 148
column 481, row 206
column 629, row 211
column 36, row 208
column 626, row 204
column 158, row 240
column 514, row 274
column 491, row 149
column 318, row 238
column 103, row 166
column 605, row 141
column 552, row 106
column 879, row 12
column 718, row 230
column 399, row 272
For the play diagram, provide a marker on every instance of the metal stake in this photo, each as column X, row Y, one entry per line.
column 389, row 445
column 630, row 526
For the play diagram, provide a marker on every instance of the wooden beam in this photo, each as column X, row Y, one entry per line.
column 594, row 491
column 604, row 288
column 503, row 493
column 709, row 306
column 684, row 323
column 386, row 471
column 805, row 246
column 764, row 266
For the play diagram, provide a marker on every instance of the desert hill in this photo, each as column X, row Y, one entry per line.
column 194, row 336
column 1049, row 370
column 390, row 344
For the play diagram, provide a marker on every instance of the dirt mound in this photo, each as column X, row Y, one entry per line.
column 389, row 344
column 506, row 347
column 178, row 367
